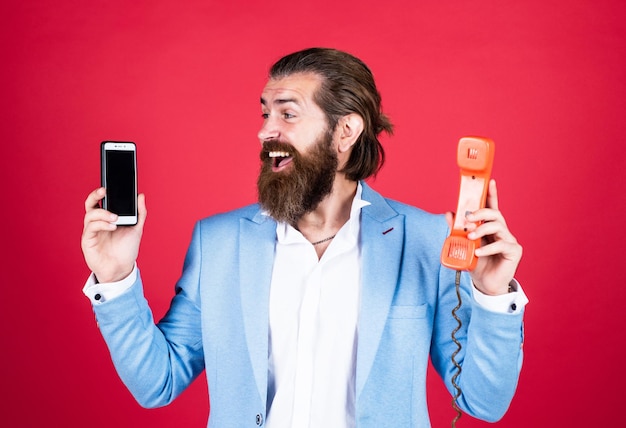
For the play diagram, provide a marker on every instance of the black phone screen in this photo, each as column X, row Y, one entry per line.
column 120, row 182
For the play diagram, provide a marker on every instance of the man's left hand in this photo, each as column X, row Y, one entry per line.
column 499, row 254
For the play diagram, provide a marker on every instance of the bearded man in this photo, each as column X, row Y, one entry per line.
column 319, row 306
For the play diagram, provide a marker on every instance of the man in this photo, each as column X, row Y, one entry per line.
column 320, row 306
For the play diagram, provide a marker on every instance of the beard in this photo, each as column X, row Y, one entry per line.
column 288, row 195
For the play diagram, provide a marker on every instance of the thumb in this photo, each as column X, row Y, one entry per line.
column 141, row 209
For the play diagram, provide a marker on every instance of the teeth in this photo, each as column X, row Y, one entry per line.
column 279, row 154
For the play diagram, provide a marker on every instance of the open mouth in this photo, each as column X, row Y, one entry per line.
column 280, row 159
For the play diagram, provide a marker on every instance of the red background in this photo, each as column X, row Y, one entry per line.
column 544, row 79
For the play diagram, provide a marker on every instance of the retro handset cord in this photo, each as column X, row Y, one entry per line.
column 475, row 160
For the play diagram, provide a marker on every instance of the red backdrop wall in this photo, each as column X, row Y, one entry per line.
column 544, row 79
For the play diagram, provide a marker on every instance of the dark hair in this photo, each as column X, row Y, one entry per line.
column 347, row 87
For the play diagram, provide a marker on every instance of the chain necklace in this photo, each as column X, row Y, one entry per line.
column 323, row 240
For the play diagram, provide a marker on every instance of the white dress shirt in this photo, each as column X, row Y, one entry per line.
column 314, row 308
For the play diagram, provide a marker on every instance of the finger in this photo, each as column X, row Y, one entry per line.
column 93, row 200
column 96, row 215
column 486, row 215
column 93, row 229
column 492, row 195
column 493, row 229
column 508, row 250
column 142, row 212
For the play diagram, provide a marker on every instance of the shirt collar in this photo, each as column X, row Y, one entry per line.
column 287, row 234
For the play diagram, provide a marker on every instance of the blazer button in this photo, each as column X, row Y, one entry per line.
column 259, row 419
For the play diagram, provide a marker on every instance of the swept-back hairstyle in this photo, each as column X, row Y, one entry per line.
column 347, row 87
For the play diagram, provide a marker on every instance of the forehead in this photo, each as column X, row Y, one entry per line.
column 299, row 88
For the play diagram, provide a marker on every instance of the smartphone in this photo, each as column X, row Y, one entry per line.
column 119, row 177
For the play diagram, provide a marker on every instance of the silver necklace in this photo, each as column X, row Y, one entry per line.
column 324, row 240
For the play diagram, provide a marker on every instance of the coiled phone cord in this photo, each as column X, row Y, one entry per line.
column 455, row 406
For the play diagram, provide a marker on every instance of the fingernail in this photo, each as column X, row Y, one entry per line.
column 471, row 235
column 113, row 217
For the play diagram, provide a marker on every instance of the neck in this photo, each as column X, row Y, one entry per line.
column 332, row 213
column 322, row 224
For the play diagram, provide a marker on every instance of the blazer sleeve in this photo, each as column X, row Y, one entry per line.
column 156, row 362
column 491, row 350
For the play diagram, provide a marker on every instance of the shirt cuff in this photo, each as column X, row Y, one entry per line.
column 510, row 303
column 100, row 292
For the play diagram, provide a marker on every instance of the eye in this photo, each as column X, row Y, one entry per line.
column 288, row 115
column 265, row 115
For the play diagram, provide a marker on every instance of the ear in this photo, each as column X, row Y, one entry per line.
column 349, row 128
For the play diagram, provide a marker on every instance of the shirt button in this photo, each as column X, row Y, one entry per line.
column 259, row 419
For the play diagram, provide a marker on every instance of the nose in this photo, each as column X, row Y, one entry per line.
column 269, row 130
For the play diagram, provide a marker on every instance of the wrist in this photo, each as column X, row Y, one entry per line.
column 112, row 277
column 495, row 291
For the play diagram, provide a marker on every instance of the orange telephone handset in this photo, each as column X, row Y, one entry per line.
column 475, row 159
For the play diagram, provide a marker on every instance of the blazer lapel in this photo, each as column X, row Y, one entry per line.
column 382, row 237
column 256, row 258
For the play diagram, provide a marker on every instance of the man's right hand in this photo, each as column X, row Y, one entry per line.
column 110, row 251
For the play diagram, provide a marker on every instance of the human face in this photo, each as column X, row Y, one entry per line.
column 291, row 116
column 296, row 174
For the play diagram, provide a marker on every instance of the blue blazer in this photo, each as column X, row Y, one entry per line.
column 218, row 321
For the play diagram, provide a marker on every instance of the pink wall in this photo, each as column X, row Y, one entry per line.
column 544, row 79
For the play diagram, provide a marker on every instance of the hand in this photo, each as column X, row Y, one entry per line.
column 110, row 251
column 499, row 254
